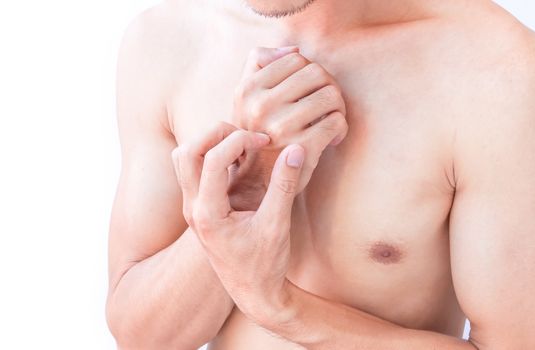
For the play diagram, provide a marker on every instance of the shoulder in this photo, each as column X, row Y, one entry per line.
column 157, row 26
column 509, row 59
column 506, row 43
column 497, row 47
column 157, row 48
column 489, row 65
column 505, row 61
column 159, row 39
column 479, row 56
column 490, row 77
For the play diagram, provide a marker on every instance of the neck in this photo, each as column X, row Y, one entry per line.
column 326, row 24
column 327, row 19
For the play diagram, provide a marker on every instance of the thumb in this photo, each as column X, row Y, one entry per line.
column 262, row 56
column 282, row 189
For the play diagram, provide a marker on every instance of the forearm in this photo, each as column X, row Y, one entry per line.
column 319, row 324
column 171, row 300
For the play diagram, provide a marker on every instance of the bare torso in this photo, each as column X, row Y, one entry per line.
column 372, row 234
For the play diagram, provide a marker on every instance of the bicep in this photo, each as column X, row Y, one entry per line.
column 493, row 264
column 147, row 211
column 492, row 231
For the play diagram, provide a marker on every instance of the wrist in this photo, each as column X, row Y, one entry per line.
column 277, row 311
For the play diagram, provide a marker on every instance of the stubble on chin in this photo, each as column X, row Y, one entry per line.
column 282, row 13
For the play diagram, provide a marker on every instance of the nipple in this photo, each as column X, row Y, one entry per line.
column 385, row 253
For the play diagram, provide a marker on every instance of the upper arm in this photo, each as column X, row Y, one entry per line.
column 492, row 223
column 147, row 211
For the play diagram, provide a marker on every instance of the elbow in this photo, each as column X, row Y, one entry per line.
column 126, row 329
column 132, row 331
column 121, row 328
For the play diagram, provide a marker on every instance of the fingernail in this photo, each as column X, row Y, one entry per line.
column 295, row 157
column 288, row 49
column 263, row 139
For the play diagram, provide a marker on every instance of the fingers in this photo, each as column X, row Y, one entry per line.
column 279, row 70
column 326, row 100
column 262, row 56
column 249, row 94
column 276, row 207
column 213, row 197
column 305, row 112
column 304, row 82
column 188, row 159
column 205, row 142
column 330, row 130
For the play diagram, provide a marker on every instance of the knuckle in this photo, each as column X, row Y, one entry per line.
column 244, row 90
column 203, row 222
column 247, row 86
column 335, row 122
column 255, row 122
column 221, row 125
column 341, row 121
column 296, row 59
column 339, row 117
column 288, row 186
column 326, row 97
column 340, row 105
column 258, row 110
column 188, row 216
column 211, row 160
column 239, row 93
column 328, row 125
column 332, row 93
column 317, row 71
column 276, row 131
column 185, row 152
column 255, row 54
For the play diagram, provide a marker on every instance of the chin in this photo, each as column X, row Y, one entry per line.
column 278, row 8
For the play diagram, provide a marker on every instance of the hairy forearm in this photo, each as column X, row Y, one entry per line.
column 170, row 300
column 320, row 324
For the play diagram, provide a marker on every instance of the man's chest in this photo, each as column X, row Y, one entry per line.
column 374, row 214
column 397, row 153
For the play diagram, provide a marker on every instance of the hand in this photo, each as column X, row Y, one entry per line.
column 249, row 250
column 293, row 101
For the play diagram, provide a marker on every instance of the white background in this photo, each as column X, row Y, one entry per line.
column 59, row 164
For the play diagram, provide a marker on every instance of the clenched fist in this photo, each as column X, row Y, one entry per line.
column 292, row 100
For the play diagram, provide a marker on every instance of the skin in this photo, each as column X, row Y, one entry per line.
column 278, row 9
column 423, row 214
column 292, row 100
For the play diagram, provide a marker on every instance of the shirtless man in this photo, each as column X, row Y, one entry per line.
column 420, row 212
